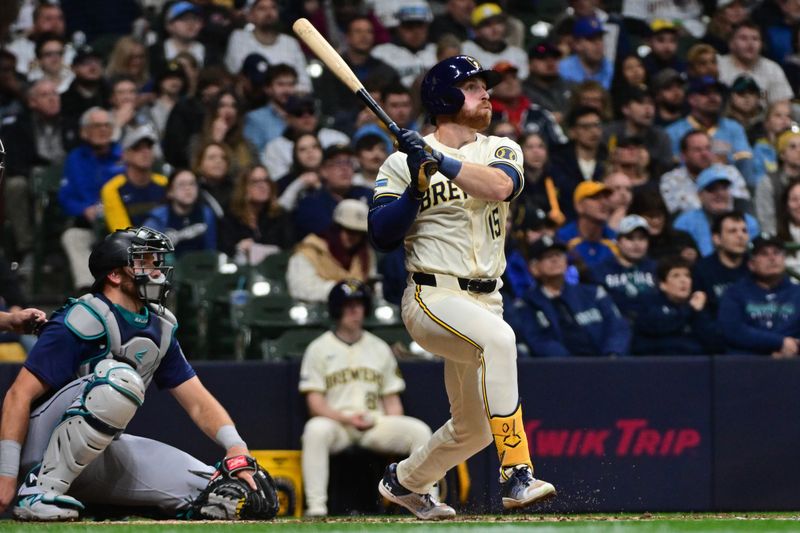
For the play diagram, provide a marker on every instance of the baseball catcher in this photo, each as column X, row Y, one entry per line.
column 68, row 433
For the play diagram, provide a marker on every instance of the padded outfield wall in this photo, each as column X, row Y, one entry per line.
column 631, row 434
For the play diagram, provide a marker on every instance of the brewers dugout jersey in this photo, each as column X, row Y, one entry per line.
column 454, row 233
column 353, row 377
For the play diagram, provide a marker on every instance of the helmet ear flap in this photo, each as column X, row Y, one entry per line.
column 454, row 99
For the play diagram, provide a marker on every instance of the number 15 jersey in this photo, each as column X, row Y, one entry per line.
column 455, row 233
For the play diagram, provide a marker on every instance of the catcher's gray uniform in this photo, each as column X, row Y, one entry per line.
column 116, row 354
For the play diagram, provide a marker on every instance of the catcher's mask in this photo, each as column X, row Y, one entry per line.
column 144, row 250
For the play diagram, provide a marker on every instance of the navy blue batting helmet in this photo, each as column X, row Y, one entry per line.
column 345, row 291
column 440, row 96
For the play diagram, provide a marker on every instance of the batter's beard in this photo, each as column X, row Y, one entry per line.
column 477, row 119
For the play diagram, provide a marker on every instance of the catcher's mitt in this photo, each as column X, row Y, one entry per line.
column 229, row 498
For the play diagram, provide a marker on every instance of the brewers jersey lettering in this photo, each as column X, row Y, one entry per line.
column 353, row 377
column 454, row 233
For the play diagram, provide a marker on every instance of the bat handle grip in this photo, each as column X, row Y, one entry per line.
column 430, row 168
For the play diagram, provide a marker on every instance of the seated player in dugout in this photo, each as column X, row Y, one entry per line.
column 352, row 386
column 66, row 435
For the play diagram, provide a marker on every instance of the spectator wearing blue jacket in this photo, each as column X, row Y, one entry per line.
column 713, row 274
column 268, row 122
column 314, row 212
column 187, row 220
column 86, row 169
column 760, row 314
column 589, row 61
column 673, row 320
column 728, row 137
column 631, row 275
column 589, row 237
column 714, row 191
column 556, row 319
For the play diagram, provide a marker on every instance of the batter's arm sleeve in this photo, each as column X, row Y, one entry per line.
column 506, row 155
column 114, row 210
column 390, row 219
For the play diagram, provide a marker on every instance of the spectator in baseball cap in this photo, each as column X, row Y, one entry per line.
column 669, row 96
column 759, row 315
column 589, row 237
column 774, row 185
column 714, row 191
column 663, row 43
column 490, row 45
column 729, row 140
column 558, row 319
column 631, row 274
column 589, row 61
column 253, row 77
column 544, row 84
column 745, row 105
column 639, row 112
column 340, row 251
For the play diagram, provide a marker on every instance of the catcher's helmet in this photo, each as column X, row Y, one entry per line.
column 122, row 248
column 440, row 96
column 345, row 291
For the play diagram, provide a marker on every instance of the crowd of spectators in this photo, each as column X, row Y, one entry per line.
column 661, row 210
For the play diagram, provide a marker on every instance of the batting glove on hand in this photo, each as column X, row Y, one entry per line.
column 422, row 165
column 409, row 141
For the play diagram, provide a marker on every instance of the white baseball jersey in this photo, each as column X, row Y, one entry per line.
column 454, row 233
column 353, row 377
column 409, row 65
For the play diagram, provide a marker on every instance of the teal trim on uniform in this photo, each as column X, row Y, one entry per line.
column 105, row 381
column 91, row 311
column 137, row 320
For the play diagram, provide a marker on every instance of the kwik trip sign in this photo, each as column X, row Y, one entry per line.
column 628, row 437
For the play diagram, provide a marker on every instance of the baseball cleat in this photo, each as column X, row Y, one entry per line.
column 424, row 506
column 47, row 507
column 521, row 489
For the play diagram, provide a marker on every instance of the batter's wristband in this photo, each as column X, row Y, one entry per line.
column 449, row 167
column 10, row 451
column 228, row 437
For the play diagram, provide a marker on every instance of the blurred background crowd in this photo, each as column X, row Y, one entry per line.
column 661, row 211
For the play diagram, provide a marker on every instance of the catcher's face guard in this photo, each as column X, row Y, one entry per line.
column 147, row 257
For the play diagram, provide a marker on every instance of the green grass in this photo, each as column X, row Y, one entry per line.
column 659, row 523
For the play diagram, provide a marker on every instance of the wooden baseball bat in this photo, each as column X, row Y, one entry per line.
column 307, row 33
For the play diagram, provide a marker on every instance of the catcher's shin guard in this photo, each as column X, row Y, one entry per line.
column 109, row 401
column 511, row 440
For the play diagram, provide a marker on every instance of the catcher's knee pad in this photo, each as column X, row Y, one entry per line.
column 109, row 401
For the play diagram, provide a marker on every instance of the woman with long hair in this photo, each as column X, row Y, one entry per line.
column 304, row 174
column 211, row 165
column 629, row 72
column 254, row 216
column 789, row 224
column 224, row 124
column 129, row 58
column 778, row 119
column 185, row 218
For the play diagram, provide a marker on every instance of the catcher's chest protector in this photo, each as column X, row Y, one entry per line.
column 91, row 318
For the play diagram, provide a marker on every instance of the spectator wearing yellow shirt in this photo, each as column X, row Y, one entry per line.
column 129, row 197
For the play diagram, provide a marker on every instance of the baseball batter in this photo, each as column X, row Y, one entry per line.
column 453, row 226
column 352, row 386
column 65, row 414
